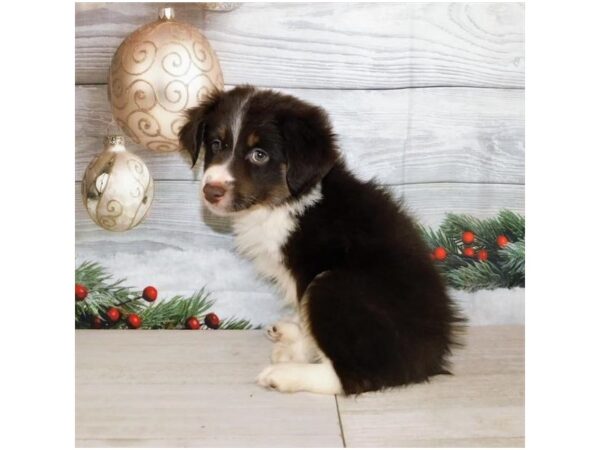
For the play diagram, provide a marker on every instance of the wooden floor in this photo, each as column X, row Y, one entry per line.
column 196, row 389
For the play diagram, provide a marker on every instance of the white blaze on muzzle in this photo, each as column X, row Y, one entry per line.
column 218, row 174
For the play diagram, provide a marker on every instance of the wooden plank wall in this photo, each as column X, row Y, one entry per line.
column 426, row 98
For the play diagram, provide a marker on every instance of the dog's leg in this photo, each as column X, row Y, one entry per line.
column 293, row 377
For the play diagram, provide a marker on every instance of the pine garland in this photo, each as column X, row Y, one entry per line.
column 102, row 294
column 498, row 251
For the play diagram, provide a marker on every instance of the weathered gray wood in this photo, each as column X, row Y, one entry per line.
column 481, row 405
column 194, row 389
column 341, row 45
column 398, row 136
column 177, row 220
column 180, row 388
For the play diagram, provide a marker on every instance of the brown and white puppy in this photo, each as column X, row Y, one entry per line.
column 373, row 310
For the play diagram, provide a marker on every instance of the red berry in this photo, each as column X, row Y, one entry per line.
column 502, row 241
column 469, row 252
column 468, row 237
column 440, row 253
column 134, row 321
column 192, row 323
column 482, row 255
column 96, row 322
column 212, row 321
column 113, row 314
column 81, row 292
column 150, row 293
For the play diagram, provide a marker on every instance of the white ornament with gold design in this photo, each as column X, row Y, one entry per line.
column 159, row 71
column 117, row 188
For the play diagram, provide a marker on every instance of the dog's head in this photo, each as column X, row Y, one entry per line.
column 260, row 148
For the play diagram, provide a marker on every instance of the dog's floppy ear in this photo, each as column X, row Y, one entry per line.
column 309, row 144
column 191, row 135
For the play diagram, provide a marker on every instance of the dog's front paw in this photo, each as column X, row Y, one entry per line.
column 284, row 331
column 274, row 333
column 281, row 377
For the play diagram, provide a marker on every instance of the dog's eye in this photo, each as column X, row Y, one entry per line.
column 215, row 146
column 258, row 156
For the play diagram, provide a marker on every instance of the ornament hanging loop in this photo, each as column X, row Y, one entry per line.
column 166, row 14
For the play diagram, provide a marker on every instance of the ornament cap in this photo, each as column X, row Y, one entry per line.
column 114, row 140
column 166, row 14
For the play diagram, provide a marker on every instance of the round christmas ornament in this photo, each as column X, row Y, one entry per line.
column 81, row 292
column 113, row 314
column 482, row 255
column 469, row 252
column 150, row 293
column 502, row 241
column 440, row 253
column 96, row 323
column 211, row 320
column 468, row 237
column 192, row 323
column 117, row 188
column 159, row 71
column 134, row 321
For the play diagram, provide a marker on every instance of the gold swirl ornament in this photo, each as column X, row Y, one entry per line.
column 158, row 72
column 117, row 188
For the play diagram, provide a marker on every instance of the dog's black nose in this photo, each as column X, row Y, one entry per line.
column 213, row 192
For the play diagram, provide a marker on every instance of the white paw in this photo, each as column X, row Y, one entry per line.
column 284, row 331
column 273, row 333
column 280, row 377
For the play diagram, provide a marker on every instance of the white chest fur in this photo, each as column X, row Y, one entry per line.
column 261, row 233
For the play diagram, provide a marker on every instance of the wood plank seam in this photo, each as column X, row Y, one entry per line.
column 351, row 89
column 339, row 417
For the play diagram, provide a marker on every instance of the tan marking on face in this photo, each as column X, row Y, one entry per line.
column 222, row 132
column 281, row 192
column 253, row 139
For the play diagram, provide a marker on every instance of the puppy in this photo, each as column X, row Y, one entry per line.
column 373, row 311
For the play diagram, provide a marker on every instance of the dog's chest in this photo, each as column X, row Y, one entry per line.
column 260, row 235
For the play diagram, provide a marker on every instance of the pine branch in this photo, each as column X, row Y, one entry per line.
column 96, row 304
column 476, row 276
column 503, row 267
column 435, row 239
column 94, row 277
column 102, row 295
column 173, row 313
column 513, row 263
column 513, row 224
column 169, row 313
column 486, row 231
column 234, row 323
